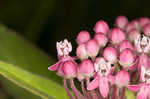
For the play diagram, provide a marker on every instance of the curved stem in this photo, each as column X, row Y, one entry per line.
column 67, row 90
column 83, row 89
column 75, row 90
column 122, row 93
column 92, row 92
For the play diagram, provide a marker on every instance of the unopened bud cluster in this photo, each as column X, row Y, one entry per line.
column 109, row 63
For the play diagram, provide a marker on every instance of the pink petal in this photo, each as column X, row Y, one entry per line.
column 143, row 93
column 103, row 86
column 135, row 64
column 141, row 96
column 134, row 88
column 111, row 79
column 54, row 67
column 94, row 84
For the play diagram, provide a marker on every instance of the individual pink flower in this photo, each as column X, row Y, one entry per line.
column 116, row 35
column 102, row 78
column 110, row 54
column 143, row 21
column 129, row 27
column 69, row 69
column 81, row 52
column 92, row 48
column 101, row 26
column 146, row 29
column 122, row 78
column 125, row 44
column 144, row 87
column 127, row 58
column 83, row 37
column 86, row 68
column 101, row 39
column 63, row 50
column 133, row 34
column 142, row 43
column 121, row 22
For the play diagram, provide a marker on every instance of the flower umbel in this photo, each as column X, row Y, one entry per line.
column 108, row 63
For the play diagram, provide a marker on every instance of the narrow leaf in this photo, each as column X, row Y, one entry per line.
column 34, row 83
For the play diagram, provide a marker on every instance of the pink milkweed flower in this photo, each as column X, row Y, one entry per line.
column 86, row 68
column 133, row 34
column 92, row 48
column 83, row 37
column 144, row 87
column 102, row 78
column 63, row 50
column 146, row 29
column 127, row 58
column 121, row 22
column 143, row 21
column 125, row 44
column 122, row 79
column 116, row 35
column 110, row 54
column 101, row 26
column 142, row 43
column 101, row 39
column 81, row 52
column 69, row 69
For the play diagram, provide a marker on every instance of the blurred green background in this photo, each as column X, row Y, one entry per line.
column 43, row 22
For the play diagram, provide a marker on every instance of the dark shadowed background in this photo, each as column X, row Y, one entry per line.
column 46, row 21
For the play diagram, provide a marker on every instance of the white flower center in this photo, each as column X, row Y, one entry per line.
column 142, row 43
column 64, row 48
column 102, row 67
column 145, row 74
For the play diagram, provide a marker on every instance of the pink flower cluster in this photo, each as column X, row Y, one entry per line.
column 105, row 62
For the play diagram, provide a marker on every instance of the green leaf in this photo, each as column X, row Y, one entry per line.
column 14, row 49
column 129, row 94
column 34, row 83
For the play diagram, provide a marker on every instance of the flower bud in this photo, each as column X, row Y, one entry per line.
column 121, row 22
column 101, row 26
column 146, row 29
column 125, row 44
column 122, row 78
column 81, row 52
column 92, row 48
column 101, row 39
column 116, row 35
column 86, row 68
column 83, row 37
column 143, row 21
column 69, row 69
column 132, row 25
column 110, row 54
column 133, row 34
column 126, row 58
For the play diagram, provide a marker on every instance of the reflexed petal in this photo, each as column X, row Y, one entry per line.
column 54, row 67
column 111, row 79
column 94, row 84
column 134, row 88
column 103, row 86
